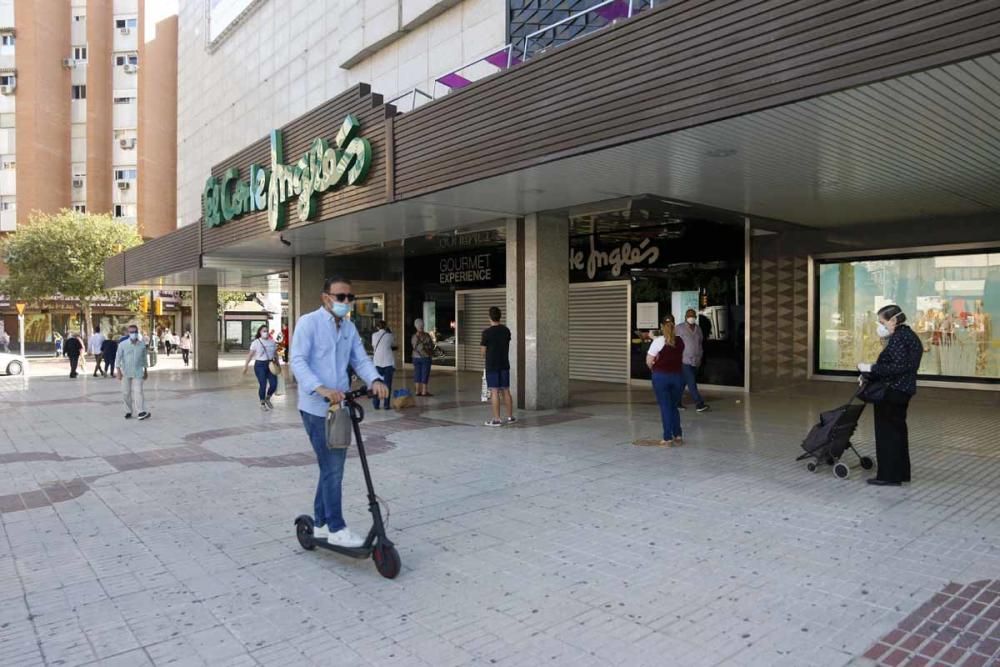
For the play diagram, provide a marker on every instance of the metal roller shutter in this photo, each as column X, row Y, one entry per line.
column 474, row 316
column 599, row 331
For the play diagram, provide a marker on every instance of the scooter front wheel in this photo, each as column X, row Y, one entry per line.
column 387, row 560
column 304, row 532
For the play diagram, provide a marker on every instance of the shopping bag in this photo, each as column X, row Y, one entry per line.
column 484, row 395
column 338, row 428
column 402, row 399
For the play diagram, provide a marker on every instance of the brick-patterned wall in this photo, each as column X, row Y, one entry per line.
column 779, row 312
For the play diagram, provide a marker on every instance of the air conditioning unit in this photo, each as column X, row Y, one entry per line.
column 8, row 89
column 130, row 68
column 124, row 185
column 69, row 63
column 127, row 144
column 77, row 183
column 125, row 31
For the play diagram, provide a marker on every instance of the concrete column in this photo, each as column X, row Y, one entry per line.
column 100, row 93
column 308, row 274
column 538, row 310
column 205, row 312
column 272, row 301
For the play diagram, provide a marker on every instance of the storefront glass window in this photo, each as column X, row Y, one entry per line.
column 952, row 302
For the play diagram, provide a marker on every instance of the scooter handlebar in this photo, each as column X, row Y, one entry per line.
column 356, row 394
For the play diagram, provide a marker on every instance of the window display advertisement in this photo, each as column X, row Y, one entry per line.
column 952, row 302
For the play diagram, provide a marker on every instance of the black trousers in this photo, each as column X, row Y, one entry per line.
column 74, row 360
column 185, row 353
column 892, row 439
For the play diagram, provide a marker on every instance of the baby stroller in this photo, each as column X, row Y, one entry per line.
column 827, row 440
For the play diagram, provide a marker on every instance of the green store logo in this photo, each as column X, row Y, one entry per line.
column 321, row 168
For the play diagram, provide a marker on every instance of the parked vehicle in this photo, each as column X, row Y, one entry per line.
column 12, row 364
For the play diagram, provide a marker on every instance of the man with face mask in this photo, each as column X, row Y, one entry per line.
column 132, row 363
column 897, row 367
column 694, row 349
column 325, row 343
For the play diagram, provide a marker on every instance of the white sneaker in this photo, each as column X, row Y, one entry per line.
column 320, row 532
column 345, row 538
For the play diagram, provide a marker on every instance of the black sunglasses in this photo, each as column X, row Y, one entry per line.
column 340, row 296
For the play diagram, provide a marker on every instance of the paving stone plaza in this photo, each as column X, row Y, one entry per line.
column 556, row 541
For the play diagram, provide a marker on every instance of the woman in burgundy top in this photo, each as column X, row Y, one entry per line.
column 665, row 359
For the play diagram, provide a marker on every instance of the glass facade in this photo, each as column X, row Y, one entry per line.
column 951, row 301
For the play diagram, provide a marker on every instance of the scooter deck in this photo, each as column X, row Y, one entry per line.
column 353, row 552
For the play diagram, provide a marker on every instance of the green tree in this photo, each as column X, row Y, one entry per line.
column 63, row 254
column 229, row 298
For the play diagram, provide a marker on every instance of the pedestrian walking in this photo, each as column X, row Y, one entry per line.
column 326, row 341
column 263, row 351
column 4, row 340
column 168, row 341
column 73, row 348
column 665, row 359
column 896, row 368
column 185, row 345
column 694, row 351
column 133, row 368
column 58, row 340
column 423, row 351
column 495, row 349
column 383, row 343
column 94, row 347
column 109, row 350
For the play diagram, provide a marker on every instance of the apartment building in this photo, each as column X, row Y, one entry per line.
column 75, row 129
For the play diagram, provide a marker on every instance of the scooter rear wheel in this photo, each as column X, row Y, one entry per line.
column 387, row 560
column 304, row 533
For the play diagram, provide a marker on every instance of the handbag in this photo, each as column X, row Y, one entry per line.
column 484, row 394
column 274, row 367
column 339, row 428
column 872, row 391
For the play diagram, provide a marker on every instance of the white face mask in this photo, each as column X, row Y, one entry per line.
column 883, row 331
column 692, row 320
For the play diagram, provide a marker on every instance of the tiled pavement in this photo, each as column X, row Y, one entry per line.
column 555, row 542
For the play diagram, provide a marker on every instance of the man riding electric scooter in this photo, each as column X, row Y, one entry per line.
column 325, row 343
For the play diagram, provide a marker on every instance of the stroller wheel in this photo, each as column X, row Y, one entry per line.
column 841, row 470
column 811, row 467
column 867, row 462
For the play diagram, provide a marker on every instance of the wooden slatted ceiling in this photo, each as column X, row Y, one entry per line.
column 167, row 254
column 322, row 122
column 686, row 63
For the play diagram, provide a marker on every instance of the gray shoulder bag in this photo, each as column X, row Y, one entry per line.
column 339, row 428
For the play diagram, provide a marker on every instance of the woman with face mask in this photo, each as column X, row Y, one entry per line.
column 896, row 367
column 665, row 359
column 262, row 350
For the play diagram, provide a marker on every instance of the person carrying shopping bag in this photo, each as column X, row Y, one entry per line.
column 263, row 352
column 383, row 344
column 665, row 359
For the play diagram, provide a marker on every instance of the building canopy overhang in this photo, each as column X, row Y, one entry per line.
column 897, row 122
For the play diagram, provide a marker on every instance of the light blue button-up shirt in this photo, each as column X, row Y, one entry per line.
column 321, row 352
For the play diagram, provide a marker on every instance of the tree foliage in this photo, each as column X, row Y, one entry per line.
column 229, row 298
column 63, row 254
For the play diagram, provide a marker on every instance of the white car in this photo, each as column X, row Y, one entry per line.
column 12, row 364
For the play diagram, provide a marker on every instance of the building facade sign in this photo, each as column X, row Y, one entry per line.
column 594, row 259
column 321, row 168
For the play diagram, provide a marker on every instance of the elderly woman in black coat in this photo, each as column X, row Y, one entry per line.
column 896, row 367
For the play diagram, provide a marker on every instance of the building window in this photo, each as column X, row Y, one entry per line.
column 79, row 92
column 8, row 162
column 80, row 54
column 80, row 208
column 7, row 80
column 79, row 17
column 7, row 205
column 127, row 59
column 125, row 174
column 131, row 24
column 7, row 39
column 952, row 303
column 124, row 100
column 7, row 120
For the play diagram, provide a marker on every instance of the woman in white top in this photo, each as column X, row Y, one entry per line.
column 383, row 343
column 186, row 347
column 262, row 351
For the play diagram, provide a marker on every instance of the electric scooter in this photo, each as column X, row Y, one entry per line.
column 376, row 545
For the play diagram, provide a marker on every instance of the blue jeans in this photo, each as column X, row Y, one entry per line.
column 668, row 388
column 386, row 372
column 327, row 508
column 267, row 382
column 691, row 382
column 421, row 370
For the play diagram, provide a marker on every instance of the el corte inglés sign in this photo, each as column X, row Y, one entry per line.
column 322, row 167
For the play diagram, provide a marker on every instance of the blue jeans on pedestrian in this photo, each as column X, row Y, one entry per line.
column 386, row 372
column 691, row 382
column 327, row 508
column 267, row 382
column 668, row 388
column 421, row 370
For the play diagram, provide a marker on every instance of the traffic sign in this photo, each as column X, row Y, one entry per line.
column 20, row 307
